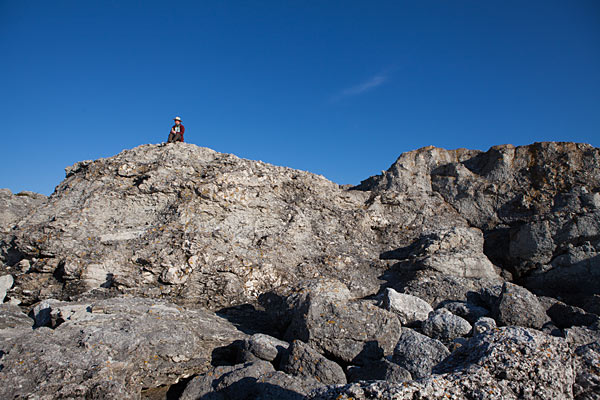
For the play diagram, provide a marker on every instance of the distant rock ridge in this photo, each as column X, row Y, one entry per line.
column 450, row 243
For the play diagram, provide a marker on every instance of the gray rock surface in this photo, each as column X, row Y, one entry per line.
column 379, row 370
column 580, row 336
column 201, row 227
column 437, row 289
column 518, row 306
column 484, row 324
column 14, row 207
column 302, row 361
column 457, row 251
column 535, row 204
column 445, row 326
column 261, row 347
column 266, row 246
column 469, row 311
column 587, row 371
column 255, row 380
column 418, row 353
column 354, row 331
column 112, row 349
column 566, row 316
column 511, row 363
column 13, row 324
column 524, row 361
column 409, row 309
column 6, row 282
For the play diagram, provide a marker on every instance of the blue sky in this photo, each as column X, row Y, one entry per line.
column 339, row 88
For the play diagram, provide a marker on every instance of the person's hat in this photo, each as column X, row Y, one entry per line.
column 176, row 119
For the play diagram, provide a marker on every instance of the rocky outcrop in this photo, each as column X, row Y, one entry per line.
column 15, row 207
column 201, row 227
column 354, row 331
column 112, row 348
column 510, row 363
column 537, row 205
column 173, row 271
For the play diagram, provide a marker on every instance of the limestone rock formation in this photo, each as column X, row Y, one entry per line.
column 510, row 363
column 301, row 360
column 172, row 271
column 354, row 331
column 113, row 348
column 417, row 353
column 409, row 309
column 518, row 306
column 445, row 326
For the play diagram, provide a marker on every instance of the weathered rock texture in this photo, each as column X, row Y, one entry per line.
column 511, row 363
column 169, row 262
column 111, row 349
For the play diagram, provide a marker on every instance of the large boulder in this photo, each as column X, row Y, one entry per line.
column 566, row 316
column 261, row 347
column 112, row 349
column 409, row 309
column 248, row 381
column 438, row 289
column 457, row 251
column 523, row 361
column 518, row 306
column 418, row 353
column 302, row 361
column 353, row 331
column 445, row 326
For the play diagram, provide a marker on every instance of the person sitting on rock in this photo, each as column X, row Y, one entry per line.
column 177, row 130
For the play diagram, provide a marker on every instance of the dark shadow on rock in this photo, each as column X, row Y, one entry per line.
column 250, row 388
column 496, row 247
column 250, row 320
column 176, row 390
column 370, row 352
column 398, row 275
column 403, row 253
column 226, row 355
column 572, row 283
column 10, row 253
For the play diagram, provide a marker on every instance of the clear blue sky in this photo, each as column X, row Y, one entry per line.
column 339, row 88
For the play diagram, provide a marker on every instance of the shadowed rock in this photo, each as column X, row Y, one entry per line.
column 417, row 353
column 306, row 363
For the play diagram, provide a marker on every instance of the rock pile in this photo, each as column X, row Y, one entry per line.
column 176, row 272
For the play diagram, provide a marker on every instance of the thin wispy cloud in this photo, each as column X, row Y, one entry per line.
column 361, row 88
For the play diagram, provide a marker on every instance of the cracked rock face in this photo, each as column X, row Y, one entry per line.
column 201, row 227
column 354, row 331
column 111, row 349
column 510, row 363
column 173, row 271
